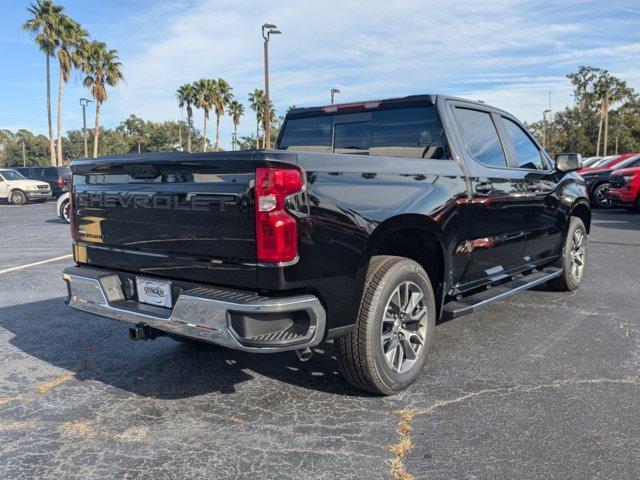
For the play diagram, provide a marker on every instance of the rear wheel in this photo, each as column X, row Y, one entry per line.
column 574, row 256
column 600, row 198
column 387, row 350
column 17, row 197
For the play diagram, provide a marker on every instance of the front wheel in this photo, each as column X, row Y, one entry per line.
column 600, row 198
column 17, row 197
column 574, row 258
column 387, row 350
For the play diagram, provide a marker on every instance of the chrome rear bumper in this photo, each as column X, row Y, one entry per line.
column 204, row 313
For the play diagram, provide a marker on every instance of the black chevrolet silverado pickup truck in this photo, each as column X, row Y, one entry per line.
column 368, row 223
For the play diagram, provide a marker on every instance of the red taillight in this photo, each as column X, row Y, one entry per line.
column 59, row 182
column 72, row 210
column 276, row 229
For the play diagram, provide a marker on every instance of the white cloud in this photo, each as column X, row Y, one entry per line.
column 507, row 52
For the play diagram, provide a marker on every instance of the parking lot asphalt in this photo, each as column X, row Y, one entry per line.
column 542, row 385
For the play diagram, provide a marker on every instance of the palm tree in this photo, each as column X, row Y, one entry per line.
column 221, row 100
column 187, row 94
column 235, row 111
column 71, row 40
column 256, row 102
column 206, row 91
column 43, row 27
column 102, row 68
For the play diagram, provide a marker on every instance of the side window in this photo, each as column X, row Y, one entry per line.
column 481, row 137
column 527, row 153
column 50, row 173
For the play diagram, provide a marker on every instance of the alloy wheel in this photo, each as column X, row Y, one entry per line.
column 578, row 253
column 65, row 211
column 404, row 327
column 600, row 196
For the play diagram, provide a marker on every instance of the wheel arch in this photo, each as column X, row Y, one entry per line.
column 582, row 210
column 416, row 237
column 14, row 190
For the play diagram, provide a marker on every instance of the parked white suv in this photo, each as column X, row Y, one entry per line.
column 19, row 190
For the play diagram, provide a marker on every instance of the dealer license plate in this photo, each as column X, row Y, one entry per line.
column 154, row 292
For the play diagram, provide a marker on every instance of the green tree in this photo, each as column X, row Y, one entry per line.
column 206, row 92
column 610, row 90
column 186, row 95
column 221, row 99
column 43, row 26
column 71, row 38
column 235, row 111
column 12, row 146
column 584, row 127
column 135, row 129
column 102, row 69
column 256, row 103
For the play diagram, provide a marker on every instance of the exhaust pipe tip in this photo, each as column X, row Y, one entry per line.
column 304, row 354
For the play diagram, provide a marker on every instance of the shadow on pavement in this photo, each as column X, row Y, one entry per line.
column 98, row 349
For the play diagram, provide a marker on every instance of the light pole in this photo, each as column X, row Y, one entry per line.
column 544, row 128
column 84, row 102
column 268, row 29
column 333, row 92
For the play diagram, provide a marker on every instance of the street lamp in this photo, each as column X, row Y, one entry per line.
column 333, row 92
column 268, row 29
column 544, row 128
column 84, row 102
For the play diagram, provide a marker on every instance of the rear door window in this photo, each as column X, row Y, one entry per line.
column 527, row 153
column 481, row 137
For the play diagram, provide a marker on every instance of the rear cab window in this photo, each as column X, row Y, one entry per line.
column 400, row 131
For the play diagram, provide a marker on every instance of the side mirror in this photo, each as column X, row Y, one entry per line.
column 568, row 162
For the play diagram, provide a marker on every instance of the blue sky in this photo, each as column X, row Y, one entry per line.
column 508, row 53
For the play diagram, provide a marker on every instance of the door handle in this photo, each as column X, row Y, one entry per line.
column 484, row 187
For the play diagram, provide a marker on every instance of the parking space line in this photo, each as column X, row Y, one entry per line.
column 13, row 269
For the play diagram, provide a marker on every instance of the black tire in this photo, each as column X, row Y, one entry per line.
column 17, row 197
column 568, row 281
column 599, row 196
column 64, row 211
column 361, row 353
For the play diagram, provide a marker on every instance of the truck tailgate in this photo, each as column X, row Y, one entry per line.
column 185, row 216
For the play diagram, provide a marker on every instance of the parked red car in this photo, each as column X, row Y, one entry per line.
column 607, row 163
column 624, row 188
